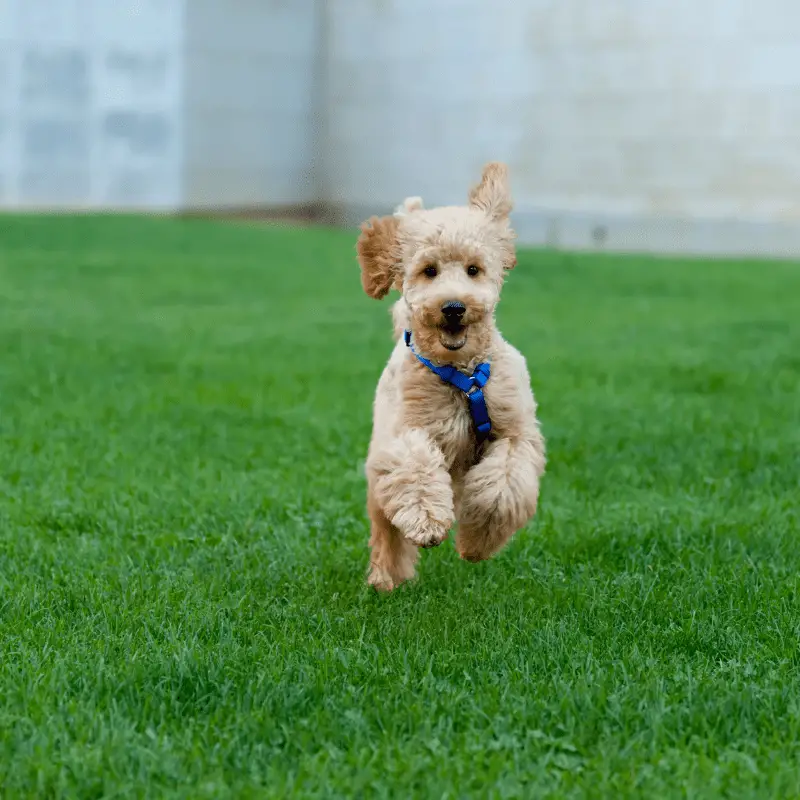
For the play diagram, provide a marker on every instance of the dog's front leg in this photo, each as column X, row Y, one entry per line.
column 499, row 495
column 409, row 480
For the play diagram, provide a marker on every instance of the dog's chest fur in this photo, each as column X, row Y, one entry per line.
column 442, row 411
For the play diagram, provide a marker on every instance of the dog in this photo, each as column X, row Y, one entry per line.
column 455, row 433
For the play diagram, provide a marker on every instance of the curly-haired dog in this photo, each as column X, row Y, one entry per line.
column 455, row 434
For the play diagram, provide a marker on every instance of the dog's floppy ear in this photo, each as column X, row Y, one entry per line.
column 378, row 255
column 492, row 195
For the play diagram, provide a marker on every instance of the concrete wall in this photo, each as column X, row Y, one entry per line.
column 157, row 103
column 250, row 103
column 90, row 101
column 661, row 124
column 666, row 124
column 420, row 95
column 647, row 124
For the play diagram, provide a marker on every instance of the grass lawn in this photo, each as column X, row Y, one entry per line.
column 184, row 412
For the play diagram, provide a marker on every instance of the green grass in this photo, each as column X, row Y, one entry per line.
column 184, row 413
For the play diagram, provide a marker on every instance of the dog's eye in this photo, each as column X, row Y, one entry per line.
column 430, row 271
column 473, row 270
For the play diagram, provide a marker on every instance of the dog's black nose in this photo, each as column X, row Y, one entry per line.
column 453, row 310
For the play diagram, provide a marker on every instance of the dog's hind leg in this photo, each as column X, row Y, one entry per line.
column 392, row 556
column 412, row 486
column 500, row 494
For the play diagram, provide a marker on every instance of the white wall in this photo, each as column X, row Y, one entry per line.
column 647, row 115
column 666, row 123
column 420, row 95
column 654, row 124
column 90, row 103
column 249, row 103
column 157, row 103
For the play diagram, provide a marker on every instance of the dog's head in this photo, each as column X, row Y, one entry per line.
column 449, row 263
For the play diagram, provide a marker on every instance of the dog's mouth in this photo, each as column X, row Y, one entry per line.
column 453, row 336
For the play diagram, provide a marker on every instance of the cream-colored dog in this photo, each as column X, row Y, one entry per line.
column 447, row 443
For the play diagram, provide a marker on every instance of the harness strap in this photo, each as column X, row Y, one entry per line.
column 470, row 385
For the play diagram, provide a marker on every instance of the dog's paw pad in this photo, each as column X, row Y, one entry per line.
column 426, row 535
column 420, row 529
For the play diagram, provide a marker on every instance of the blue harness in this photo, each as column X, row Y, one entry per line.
column 471, row 385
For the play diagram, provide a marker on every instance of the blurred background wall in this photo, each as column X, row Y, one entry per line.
column 91, row 103
column 668, row 125
column 250, row 99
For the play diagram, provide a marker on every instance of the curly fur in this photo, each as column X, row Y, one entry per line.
column 425, row 468
column 377, row 252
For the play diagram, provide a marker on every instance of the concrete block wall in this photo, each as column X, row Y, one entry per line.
column 420, row 95
column 250, row 103
column 157, row 104
column 90, row 103
column 666, row 124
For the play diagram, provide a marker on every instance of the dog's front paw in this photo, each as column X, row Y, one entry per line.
column 420, row 529
column 427, row 537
